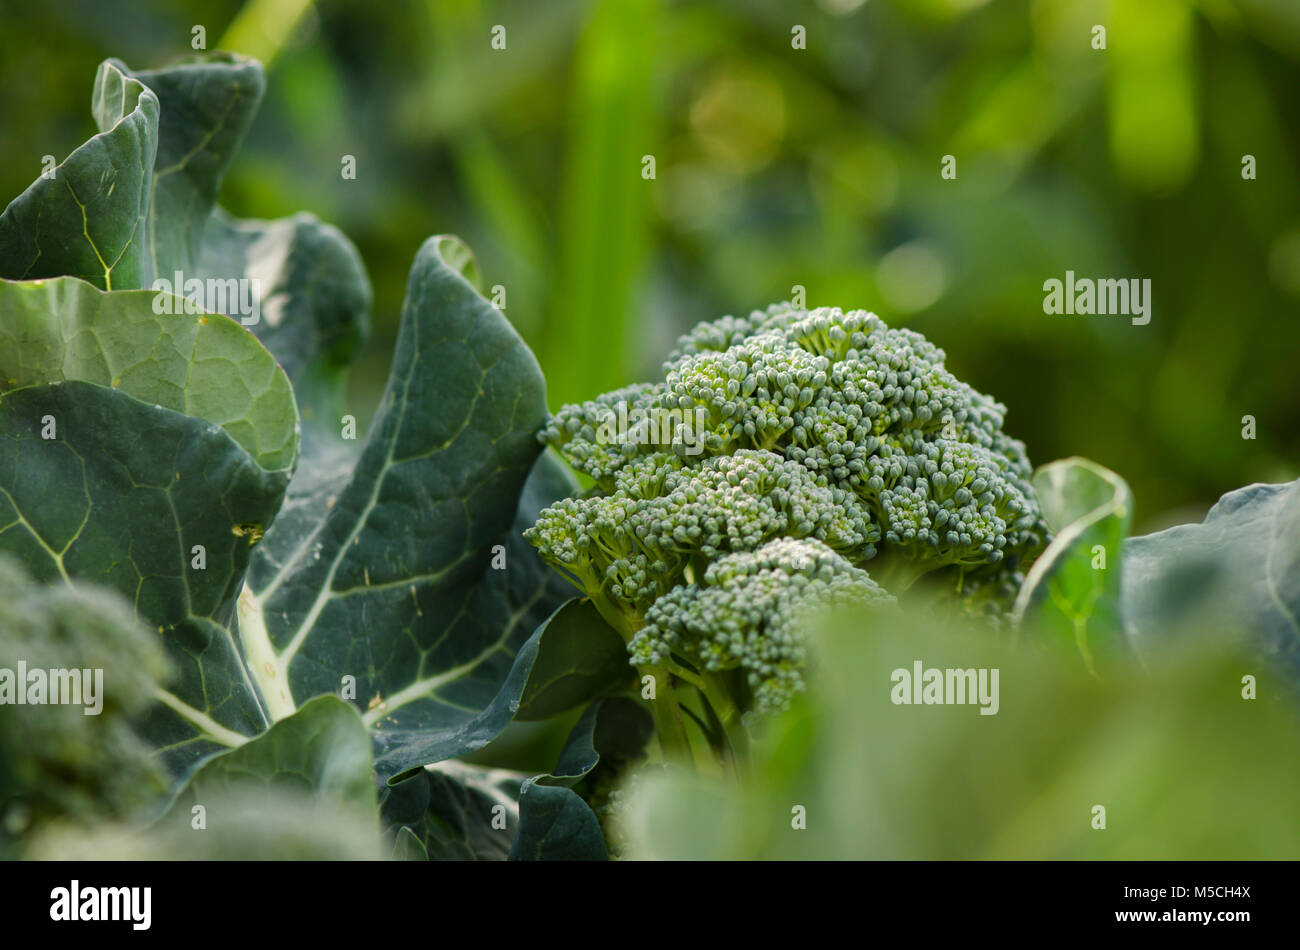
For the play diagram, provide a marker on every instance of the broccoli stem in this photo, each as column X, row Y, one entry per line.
column 670, row 726
column 719, row 697
column 726, row 738
column 666, row 707
column 896, row 572
column 707, row 757
column 624, row 622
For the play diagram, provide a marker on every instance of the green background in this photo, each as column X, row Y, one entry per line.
column 778, row 166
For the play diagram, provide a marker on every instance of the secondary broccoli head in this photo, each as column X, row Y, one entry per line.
column 748, row 613
column 57, row 762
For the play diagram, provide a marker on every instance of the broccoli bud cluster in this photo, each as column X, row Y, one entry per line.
column 663, row 516
column 746, row 614
column 791, row 432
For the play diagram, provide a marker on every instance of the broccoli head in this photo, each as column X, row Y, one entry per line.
column 788, row 450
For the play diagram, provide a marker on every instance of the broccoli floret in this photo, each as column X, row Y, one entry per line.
column 725, row 332
column 665, row 518
column 746, row 613
column 590, row 437
column 788, row 425
column 949, row 503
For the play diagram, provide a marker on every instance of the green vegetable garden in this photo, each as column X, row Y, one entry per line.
column 408, row 591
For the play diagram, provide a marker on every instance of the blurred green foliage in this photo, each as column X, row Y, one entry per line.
column 1183, row 765
column 777, row 166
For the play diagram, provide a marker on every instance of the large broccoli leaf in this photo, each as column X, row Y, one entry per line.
column 378, row 567
column 199, row 365
column 206, row 106
column 315, row 298
column 147, row 452
column 555, row 823
column 322, row 750
column 393, row 586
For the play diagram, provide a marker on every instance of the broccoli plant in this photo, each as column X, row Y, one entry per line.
column 787, row 459
column 328, row 631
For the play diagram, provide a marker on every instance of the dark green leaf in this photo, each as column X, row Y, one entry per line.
column 556, row 825
column 315, row 298
column 580, row 657
column 200, row 365
column 91, row 219
column 615, row 729
column 530, row 590
column 395, row 583
column 1236, row 574
column 456, row 812
column 301, row 790
column 615, row 726
column 322, row 751
column 206, row 106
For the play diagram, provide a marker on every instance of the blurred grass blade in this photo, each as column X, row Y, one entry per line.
column 1153, row 120
column 604, row 200
column 262, row 27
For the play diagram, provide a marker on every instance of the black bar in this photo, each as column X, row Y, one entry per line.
column 302, row 900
